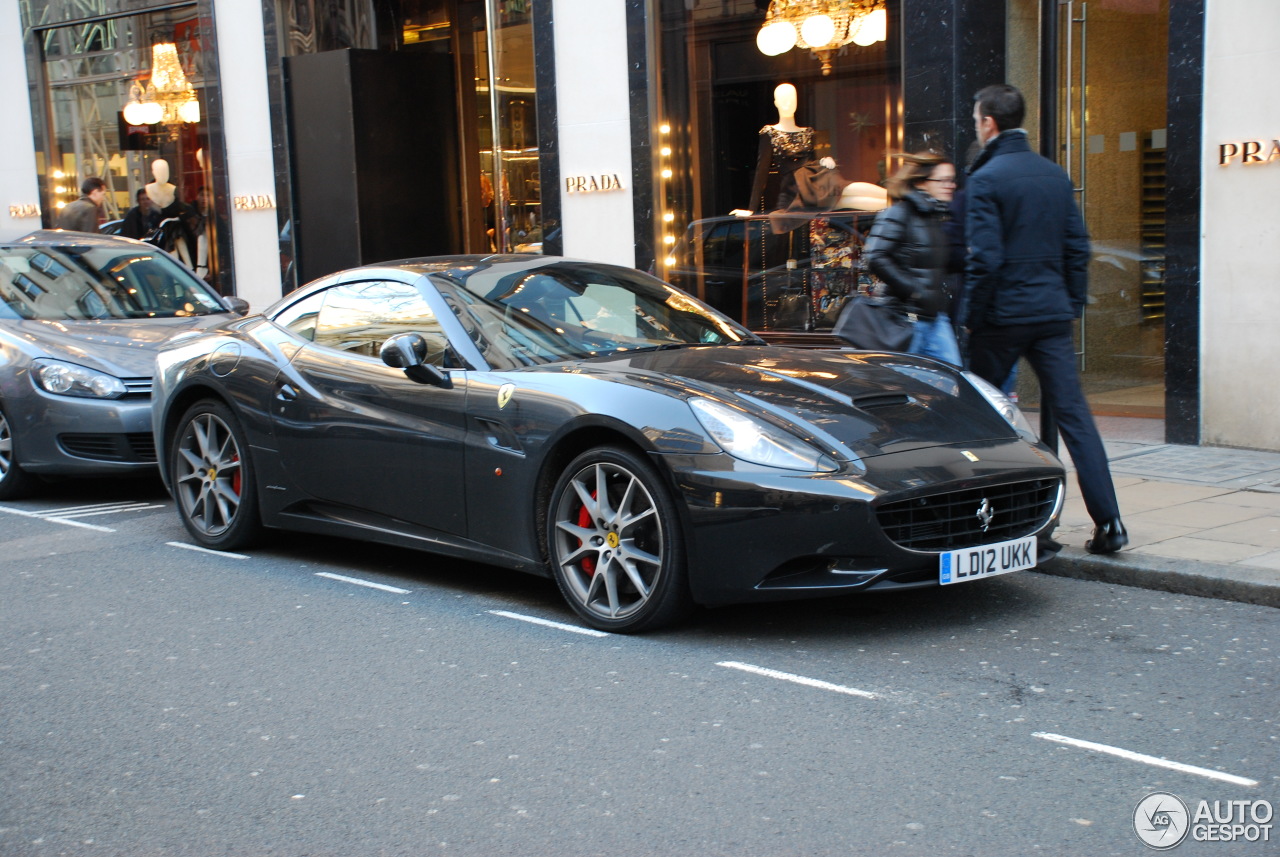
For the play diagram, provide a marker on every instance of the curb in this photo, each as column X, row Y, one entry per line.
column 1180, row 576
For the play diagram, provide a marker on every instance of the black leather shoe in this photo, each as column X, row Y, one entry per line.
column 1108, row 537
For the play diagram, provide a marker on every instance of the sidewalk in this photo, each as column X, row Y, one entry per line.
column 1201, row 520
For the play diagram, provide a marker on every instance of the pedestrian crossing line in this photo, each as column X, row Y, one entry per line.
column 134, row 508
column 92, row 507
column 70, row 523
column 798, row 679
column 199, row 549
column 358, row 582
column 560, row 626
column 1154, row 761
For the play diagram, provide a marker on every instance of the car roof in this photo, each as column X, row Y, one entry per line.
column 65, row 237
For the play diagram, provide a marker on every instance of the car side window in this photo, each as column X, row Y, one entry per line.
column 300, row 317
column 360, row 317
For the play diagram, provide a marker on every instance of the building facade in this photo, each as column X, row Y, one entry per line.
column 311, row 135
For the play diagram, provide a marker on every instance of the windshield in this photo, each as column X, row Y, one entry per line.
column 95, row 282
column 572, row 310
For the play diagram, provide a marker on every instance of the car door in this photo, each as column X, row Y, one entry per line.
column 356, row 432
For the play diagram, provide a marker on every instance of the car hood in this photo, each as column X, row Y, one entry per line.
column 872, row 403
column 125, row 348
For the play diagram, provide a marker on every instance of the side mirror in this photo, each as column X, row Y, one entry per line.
column 239, row 306
column 408, row 351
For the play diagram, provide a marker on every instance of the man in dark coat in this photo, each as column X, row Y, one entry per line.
column 1026, row 279
column 82, row 215
column 142, row 218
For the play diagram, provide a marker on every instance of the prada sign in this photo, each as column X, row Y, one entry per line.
column 252, row 203
column 592, row 184
column 20, row 211
column 1249, row 152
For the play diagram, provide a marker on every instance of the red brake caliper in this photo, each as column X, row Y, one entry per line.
column 584, row 521
column 235, row 479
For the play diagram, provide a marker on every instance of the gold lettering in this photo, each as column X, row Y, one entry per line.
column 1226, row 152
column 1275, row 151
column 591, row 183
column 1250, row 153
column 617, row 182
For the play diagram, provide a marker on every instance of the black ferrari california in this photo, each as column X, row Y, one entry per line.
column 593, row 424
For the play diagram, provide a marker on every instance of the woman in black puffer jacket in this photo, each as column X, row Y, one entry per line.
column 909, row 251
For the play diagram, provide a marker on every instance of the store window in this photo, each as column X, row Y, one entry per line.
column 770, row 166
column 125, row 100
column 508, row 131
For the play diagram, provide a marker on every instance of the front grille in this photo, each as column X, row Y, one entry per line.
column 137, row 388
column 943, row 522
column 135, row 447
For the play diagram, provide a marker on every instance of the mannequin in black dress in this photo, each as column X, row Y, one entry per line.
column 784, row 148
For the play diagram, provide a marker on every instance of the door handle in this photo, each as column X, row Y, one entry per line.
column 286, row 393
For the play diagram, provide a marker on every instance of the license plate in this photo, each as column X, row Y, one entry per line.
column 987, row 560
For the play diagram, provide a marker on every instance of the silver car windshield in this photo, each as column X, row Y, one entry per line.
column 94, row 282
column 576, row 310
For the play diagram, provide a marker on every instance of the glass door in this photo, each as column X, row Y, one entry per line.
column 1112, row 60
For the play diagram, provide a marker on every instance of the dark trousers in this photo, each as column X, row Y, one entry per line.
column 1050, row 350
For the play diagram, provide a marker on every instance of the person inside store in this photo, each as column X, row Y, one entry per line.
column 909, row 251
column 141, row 219
column 1026, row 280
column 83, row 214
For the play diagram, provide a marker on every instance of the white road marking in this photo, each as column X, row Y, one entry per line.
column 136, row 507
column 1146, row 760
column 186, row 547
column 359, row 582
column 69, row 523
column 72, row 511
column 798, row 679
column 590, row 632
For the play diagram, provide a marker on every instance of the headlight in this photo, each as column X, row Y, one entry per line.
column 750, row 439
column 68, row 379
column 1006, row 408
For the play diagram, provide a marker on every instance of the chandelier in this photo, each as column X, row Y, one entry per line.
column 822, row 26
column 168, row 96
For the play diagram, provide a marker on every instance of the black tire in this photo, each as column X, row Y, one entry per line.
column 213, row 478
column 15, row 483
column 620, row 563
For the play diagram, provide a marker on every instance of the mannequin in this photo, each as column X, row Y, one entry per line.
column 784, row 148
column 863, row 196
column 161, row 192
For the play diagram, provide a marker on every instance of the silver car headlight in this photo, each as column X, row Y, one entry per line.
column 68, row 379
column 743, row 436
column 1006, row 408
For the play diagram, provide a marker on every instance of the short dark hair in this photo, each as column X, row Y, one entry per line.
column 1003, row 103
column 91, row 184
column 142, row 192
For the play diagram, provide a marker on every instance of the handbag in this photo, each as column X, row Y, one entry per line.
column 793, row 312
column 875, row 323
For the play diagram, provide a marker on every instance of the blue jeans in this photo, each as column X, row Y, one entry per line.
column 934, row 337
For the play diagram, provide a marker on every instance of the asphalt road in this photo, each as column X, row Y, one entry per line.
column 322, row 697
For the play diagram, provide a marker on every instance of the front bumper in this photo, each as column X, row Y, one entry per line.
column 761, row 536
column 64, row 435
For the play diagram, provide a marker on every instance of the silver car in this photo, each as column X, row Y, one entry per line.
column 81, row 317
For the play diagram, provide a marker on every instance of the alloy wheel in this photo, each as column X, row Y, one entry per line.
column 608, row 541
column 208, row 474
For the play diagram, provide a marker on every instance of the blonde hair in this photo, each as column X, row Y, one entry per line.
column 915, row 169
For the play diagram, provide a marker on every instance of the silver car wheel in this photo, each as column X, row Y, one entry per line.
column 608, row 541
column 208, row 477
column 6, row 447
